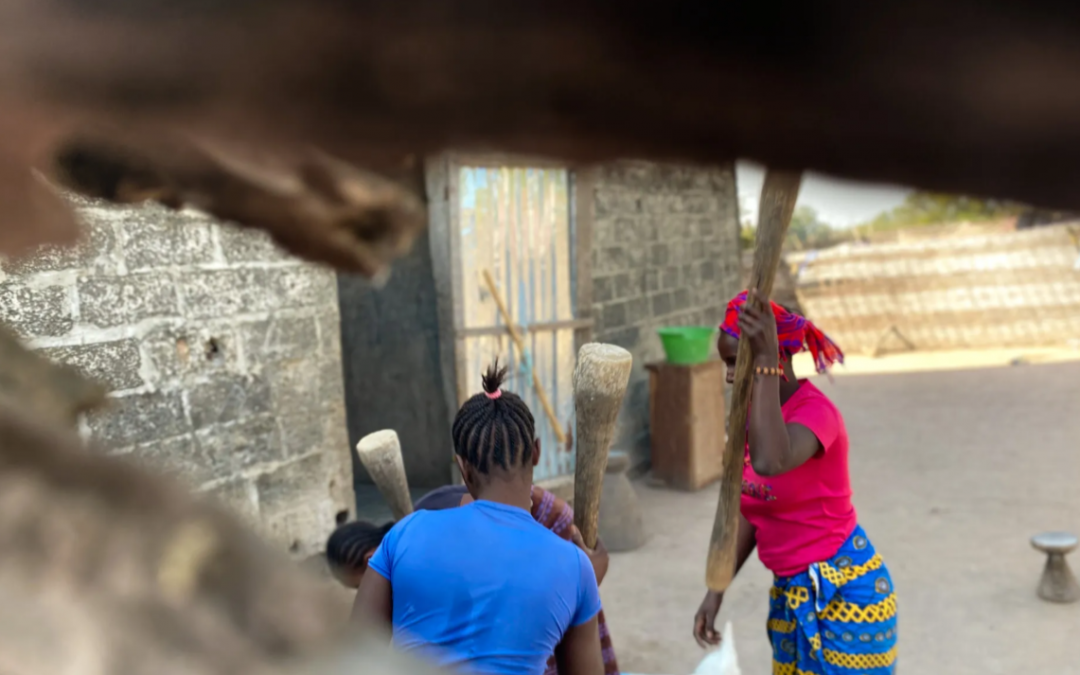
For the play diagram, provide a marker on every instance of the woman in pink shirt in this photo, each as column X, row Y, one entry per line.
column 832, row 605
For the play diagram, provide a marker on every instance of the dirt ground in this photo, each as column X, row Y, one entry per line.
column 953, row 472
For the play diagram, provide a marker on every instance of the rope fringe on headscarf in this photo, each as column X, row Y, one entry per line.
column 793, row 331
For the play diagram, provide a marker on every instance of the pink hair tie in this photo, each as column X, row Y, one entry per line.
column 493, row 394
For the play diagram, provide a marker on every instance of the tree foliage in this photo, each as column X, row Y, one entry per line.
column 919, row 209
column 807, row 231
column 931, row 208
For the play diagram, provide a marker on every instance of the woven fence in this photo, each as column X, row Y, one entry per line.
column 985, row 290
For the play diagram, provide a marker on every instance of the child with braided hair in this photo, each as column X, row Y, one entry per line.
column 350, row 547
column 558, row 516
column 484, row 587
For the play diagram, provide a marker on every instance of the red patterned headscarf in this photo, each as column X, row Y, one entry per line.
column 793, row 332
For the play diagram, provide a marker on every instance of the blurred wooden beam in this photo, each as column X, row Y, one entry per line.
column 973, row 97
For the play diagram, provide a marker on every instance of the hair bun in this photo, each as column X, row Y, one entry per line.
column 493, row 377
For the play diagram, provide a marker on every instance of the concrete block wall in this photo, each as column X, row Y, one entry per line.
column 221, row 352
column 665, row 251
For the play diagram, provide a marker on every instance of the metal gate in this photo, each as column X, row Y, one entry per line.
column 517, row 224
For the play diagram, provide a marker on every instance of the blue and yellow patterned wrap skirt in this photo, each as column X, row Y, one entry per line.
column 836, row 618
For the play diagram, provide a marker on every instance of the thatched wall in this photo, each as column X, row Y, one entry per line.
column 981, row 290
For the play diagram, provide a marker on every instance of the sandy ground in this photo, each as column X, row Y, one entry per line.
column 967, row 359
column 953, row 471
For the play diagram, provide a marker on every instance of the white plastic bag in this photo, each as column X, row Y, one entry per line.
column 723, row 661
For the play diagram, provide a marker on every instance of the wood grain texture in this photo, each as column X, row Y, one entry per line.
column 314, row 205
column 890, row 91
column 778, row 196
column 145, row 577
column 600, row 380
column 143, row 574
column 380, row 453
column 878, row 91
column 687, row 435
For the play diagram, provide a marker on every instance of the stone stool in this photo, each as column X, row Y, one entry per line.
column 620, row 516
column 1058, row 583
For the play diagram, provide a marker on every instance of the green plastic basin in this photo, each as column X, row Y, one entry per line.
column 687, row 345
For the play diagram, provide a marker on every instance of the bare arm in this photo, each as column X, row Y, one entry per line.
column 747, row 542
column 374, row 602
column 775, row 447
column 705, row 620
column 579, row 651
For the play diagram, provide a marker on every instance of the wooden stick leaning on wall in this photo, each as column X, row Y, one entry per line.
column 600, row 380
column 560, row 435
column 778, row 196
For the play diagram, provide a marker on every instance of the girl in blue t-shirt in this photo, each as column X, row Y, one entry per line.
column 484, row 587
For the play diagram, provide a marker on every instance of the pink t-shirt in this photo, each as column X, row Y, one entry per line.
column 804, row 515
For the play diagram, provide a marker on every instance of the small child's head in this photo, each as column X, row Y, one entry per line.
column 495, row 435
column 350, row 547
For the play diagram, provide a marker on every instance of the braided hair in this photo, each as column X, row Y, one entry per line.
column 348, row 544
column 494, row 427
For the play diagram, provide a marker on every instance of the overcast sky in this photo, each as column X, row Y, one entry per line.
column 839, row 203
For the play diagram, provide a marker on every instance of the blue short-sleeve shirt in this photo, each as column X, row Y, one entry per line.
column 484, row 588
